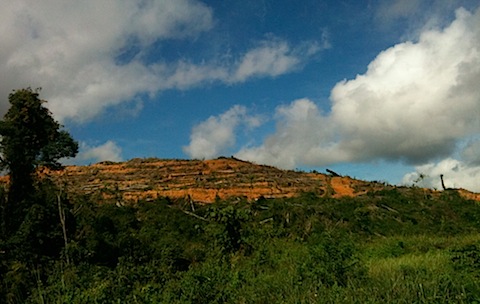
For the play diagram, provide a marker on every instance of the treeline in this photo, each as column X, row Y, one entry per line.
column 389, row 247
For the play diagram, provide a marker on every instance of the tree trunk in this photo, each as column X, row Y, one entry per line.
column 443, row 184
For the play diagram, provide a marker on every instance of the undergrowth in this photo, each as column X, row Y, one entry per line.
column 395, row 246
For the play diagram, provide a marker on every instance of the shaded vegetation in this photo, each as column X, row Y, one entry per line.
column 29, row 137
column 395, row 246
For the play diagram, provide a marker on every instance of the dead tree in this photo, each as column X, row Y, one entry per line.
column 443, row 184
column 333, row 173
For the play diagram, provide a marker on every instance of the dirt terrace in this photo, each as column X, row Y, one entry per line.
column 201, row 181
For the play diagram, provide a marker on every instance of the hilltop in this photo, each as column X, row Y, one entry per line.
column 204, row 181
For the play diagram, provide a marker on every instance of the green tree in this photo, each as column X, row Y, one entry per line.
column 30, row 137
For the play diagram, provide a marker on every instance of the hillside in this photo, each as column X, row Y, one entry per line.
column 384, row 244
column 204, row 181
column 201, row 181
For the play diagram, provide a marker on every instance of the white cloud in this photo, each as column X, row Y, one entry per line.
column 186, row 74
column 109, row 151
column 300, row 128
column 456, row 174
column 271, row 58
column 416, row 99
column 216, row 135
column 72, row 51
column 414, row 103
column 462, row 171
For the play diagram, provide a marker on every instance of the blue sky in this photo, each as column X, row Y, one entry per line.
column 377, row 90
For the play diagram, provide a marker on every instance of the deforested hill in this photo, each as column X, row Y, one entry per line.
column 204, row 181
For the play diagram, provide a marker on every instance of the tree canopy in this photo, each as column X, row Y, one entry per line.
column 30, row 137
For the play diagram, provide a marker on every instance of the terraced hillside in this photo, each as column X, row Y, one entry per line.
column 201, row 181
column 205, row 181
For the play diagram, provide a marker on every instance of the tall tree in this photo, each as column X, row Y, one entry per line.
column 30, row 137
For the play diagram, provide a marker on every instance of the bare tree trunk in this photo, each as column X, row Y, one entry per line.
column 333, row 173
column 443, row 184
column 61, row 213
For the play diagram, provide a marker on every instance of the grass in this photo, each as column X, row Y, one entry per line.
column 416, row 269
column 394, row 246
column 432, row 263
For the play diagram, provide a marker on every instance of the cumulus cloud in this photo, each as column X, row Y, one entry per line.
column 460, row 171
column 79, row 53
column 416, row 101
column 300, row 129
column 109, row 151
column 216, row 135
column 456, row 174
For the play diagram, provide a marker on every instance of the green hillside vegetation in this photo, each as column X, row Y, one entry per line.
column 395, row 246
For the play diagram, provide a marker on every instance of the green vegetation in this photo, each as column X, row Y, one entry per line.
column 389, row 246
column 394, row 246
column 30, row 137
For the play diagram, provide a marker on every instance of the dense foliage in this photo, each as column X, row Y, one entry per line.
column 396, row 246
column 29, row 137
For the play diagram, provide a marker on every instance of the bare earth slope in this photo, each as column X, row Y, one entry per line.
column 204, row 181
column 201, row 181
